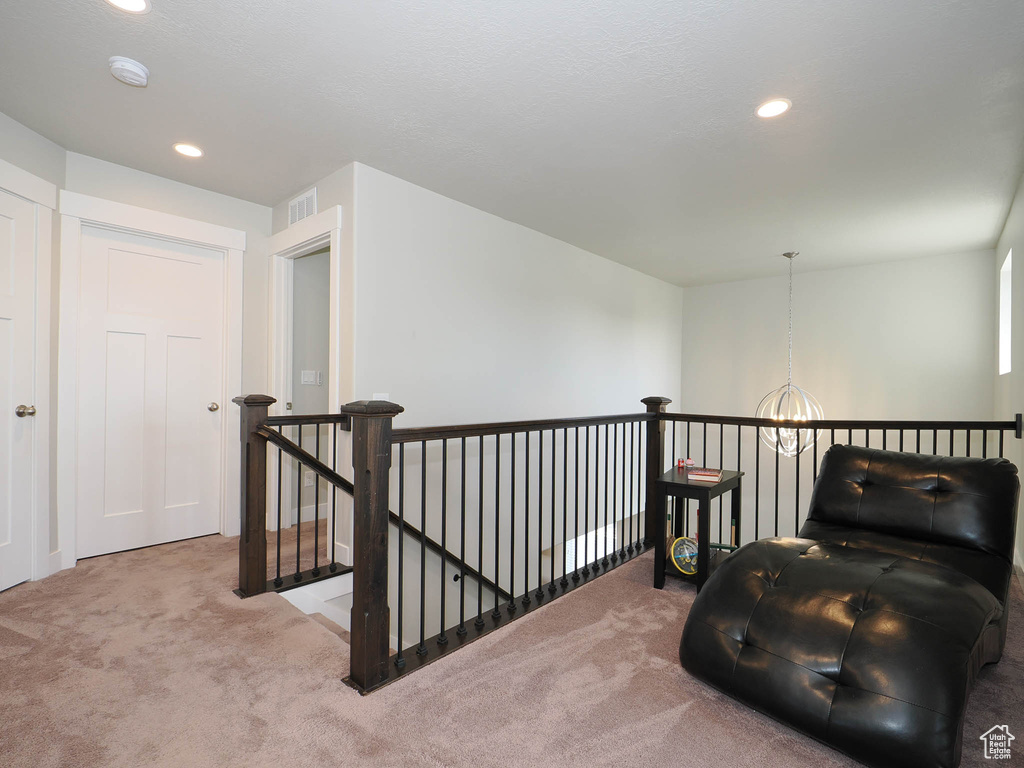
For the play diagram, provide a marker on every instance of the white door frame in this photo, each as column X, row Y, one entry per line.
column 79, row 210
column 301, row 239
column 44, row 195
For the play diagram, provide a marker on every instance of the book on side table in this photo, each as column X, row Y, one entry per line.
column 704, row 474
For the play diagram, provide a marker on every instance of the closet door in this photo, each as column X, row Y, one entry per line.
column 150, row 366
column 17, row 386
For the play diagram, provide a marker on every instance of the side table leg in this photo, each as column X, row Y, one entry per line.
column 703, row 539
column 737, row 497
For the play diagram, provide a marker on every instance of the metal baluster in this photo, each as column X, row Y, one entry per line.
column 849, row 437
column 496, row 614
column 442, row 638
column 776, row 483
column 316, row 510
column 984, row 444
column 951, row 442
column 540, row 515
column 526, row 537
column 512, row 532
column 565, row 504
column 721, row 464
column 479, row 623
column 399, row 658
column 615, row 471
column 576, row 506
column 640, row 484
column 673, row 443
column 586, row 497
column 298, row 517
column 622, row 525
column 421, row 650
column 935, row 442
column 757, row 483
column 334, row 501
column 901, row 441
column 278, row 581
column 551, row 587
column 796, row 496
column 918, row 449
column 967, row 432
column 885, row 434
column 1001, row 443
column 462, row 543
column 632, row 451
column 686, row 504
column 604, row 528
column 814, row 461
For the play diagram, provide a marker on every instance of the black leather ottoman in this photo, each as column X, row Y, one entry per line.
column 872, row 652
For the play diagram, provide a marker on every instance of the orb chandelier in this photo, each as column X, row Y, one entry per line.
column 789, row 402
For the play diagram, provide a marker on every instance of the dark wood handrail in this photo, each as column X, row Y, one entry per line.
column 341, row 419
column 328, row 474
column 307, row 459
column 855, row 424
column 419, row 434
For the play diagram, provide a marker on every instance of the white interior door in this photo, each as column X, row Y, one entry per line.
column 150, row 367
column 17, row 366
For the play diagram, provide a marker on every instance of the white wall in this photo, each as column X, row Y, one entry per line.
column 1009, row 388
column 902, row 340
column 462, row 316
column 31, row 152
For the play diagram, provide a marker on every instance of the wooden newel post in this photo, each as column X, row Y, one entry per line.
column 252, row 543
column 654, row 517
column 371, row 617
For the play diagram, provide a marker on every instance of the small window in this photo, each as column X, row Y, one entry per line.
column 1005, row 283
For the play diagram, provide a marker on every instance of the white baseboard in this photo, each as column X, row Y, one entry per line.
column 61, row 560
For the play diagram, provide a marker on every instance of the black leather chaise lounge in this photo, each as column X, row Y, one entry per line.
column 868, row 631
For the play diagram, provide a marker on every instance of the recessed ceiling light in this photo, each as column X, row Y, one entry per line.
column 774, row 108
column 131, row 6
column 188, row 150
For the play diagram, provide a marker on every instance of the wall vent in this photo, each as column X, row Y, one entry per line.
column 302, row 206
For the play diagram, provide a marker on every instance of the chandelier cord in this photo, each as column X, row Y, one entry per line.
column 789, row 381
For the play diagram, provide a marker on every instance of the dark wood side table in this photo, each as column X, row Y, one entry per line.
column 676, row 484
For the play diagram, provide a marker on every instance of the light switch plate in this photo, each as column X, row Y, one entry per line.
column 381, row 396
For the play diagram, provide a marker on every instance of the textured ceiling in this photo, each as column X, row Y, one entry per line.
column 625, row 128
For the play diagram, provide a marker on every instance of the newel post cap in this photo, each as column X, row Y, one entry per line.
column 372, row 408
column 254, row 400
column 658, row 403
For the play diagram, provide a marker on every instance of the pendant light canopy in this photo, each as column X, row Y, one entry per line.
column 789, row 402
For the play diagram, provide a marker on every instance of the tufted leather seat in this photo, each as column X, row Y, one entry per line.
column 868, row 631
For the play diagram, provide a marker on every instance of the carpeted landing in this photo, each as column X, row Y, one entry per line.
column 146, row 658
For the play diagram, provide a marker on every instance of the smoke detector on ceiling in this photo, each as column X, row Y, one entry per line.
column 129, row 71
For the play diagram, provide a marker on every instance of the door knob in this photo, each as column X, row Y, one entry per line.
column 213, row 407
column 25, row 410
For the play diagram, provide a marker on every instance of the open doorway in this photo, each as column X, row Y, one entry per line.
column 311, row 322
column 310, row 368
column 310, row 381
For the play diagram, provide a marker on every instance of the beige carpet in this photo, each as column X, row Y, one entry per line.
column 146, row 658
